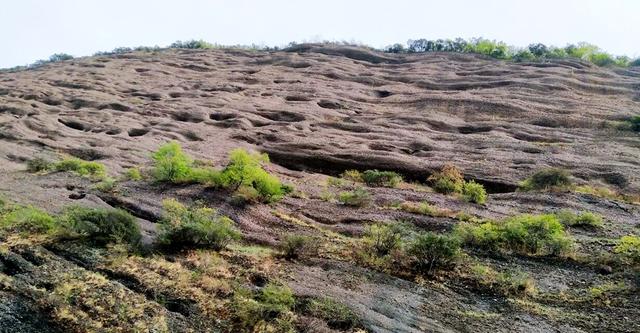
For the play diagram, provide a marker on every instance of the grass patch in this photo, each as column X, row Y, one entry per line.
column 509, row 283
column 195, row 227
column 38, row 164
column 629, row 249
column 335, row 314
column 524, row 234
column 81, row 167
column 297, row 246
column 356, row 198
column 266, row 310
column 133, row 174
column 424, row 208
column 25, row 219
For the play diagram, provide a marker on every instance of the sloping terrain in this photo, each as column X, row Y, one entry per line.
column 317, row 111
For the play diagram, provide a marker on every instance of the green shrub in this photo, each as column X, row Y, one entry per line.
column 245, row 170
column 584, row 219
column 474, row 192
column 337, row 315
column 15, row 218
column 171, row 164
column 38, row 164
column 276, row 299
column 296, row 246
column 81, row 167
column 195, row 227
column 525, row 234
column 191, row 44
column 102, row 226
column 509, row 283
column 381, row 239
column 352, row 175
column 133, row 174
column 429, row 251
column 356, row 198
column 268, row 310
column 629, row 248
column 448, row 180
column 635, row 122
column 381, row 178
column 204, row 175
column 546, row 179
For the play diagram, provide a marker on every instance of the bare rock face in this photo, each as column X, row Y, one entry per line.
column 328, row 108
column 318, row 110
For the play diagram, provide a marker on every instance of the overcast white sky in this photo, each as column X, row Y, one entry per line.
column 31, row 30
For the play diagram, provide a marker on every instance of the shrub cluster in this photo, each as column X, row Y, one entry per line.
column 450, row 180
column 629, row 248
column 584, row 219
column 524, row 234
column 297, row 246
column 547, row 179
column 70, row 164
column 507, row 283
column 397, row 245
column 244, row 174
column 102, row 226
column 381, row 178
column 195, row 227
column 424, row 208
column 191, row 44
column 501, row 50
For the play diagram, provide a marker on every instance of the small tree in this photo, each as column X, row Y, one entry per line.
column 429, row 251
column 171, row 164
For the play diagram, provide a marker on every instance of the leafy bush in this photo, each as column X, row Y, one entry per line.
column 429, row 251
column 276, row 299
column 629, row 248
column 352, row 175
column 102, row 226
column 60, row 57
column 81, row 167
column 16, row 218
column 171, row 164
column 525, row 234
column 195, row 227
column 356, row 198
column 381, row 239
column 509, row 283
column 108, row 184
column 38, row 164
column 381, row 178
column 584, row 219
column 635, row 121
column 474, row 192
column 546, row 179
column 245, row 170
column 133, row 174
column 296, row 246
column 191, row 44
column 337, row 315
column 448, row 180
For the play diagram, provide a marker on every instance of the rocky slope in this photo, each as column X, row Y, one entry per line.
column 319, row 110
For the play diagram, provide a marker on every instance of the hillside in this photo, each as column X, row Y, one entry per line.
column 318, row 111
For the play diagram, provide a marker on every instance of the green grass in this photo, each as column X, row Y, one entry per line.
column 381, row 178
column 359, row 197
column 524, row 234
column 26, row 219
column 629, row 248
column 81, row 167
column 133, row 174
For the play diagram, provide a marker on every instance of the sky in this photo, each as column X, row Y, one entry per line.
column 32, row 30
